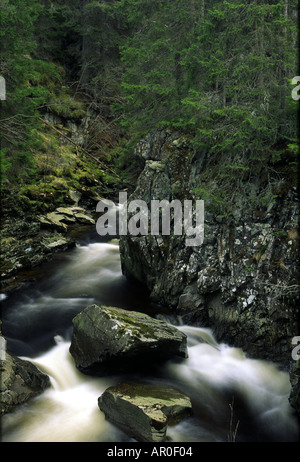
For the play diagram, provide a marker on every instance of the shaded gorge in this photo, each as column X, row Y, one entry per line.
column 221, row 381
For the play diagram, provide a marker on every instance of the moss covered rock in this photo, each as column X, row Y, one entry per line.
column 242, row 281
column 20, row 381
column 143, row 411
column 108, row 339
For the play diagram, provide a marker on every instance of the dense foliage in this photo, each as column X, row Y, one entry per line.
column 219, row 70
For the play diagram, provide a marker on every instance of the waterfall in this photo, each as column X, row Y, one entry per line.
column 221, row 381
column 67, row 412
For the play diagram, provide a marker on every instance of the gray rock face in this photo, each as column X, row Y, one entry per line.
column 295, row 384
column 112, row 340
column 243, row 280
column 143, row 411
column 20, row 381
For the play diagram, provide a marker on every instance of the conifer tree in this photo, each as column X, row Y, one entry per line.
column 23, row 74
column 220, row 70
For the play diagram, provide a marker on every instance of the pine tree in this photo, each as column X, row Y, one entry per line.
column 103, row 27
column 24, row 93
column 217, row 69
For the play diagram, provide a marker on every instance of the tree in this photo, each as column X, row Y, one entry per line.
column 58, row 35
column 103, row 27
column 23, row 76
column 217, row 69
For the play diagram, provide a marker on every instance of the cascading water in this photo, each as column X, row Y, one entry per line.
column 221, row 381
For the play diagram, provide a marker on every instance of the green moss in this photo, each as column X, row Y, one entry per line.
column 67, row 107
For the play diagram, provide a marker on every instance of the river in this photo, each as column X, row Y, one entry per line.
column 224, row 384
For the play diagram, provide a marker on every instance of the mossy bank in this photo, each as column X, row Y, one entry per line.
column 62, row 175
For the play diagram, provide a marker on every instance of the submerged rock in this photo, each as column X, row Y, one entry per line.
column 143, row 411
column 20, row 381
column 108, row 339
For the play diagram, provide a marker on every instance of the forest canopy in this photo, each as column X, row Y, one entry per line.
column 218, row 70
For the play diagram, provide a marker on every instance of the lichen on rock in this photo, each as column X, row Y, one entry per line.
column 109, row 339
column 21, row 381
column 144, row 411
column 243, row 281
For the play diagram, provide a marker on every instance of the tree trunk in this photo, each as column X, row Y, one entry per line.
column 283, row 71
column 202, row 10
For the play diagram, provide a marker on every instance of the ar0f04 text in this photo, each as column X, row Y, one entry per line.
column 170, row 451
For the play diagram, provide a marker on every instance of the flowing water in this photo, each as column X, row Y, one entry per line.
column 228, row 390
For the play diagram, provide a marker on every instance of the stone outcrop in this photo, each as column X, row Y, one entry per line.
column 64, row 216
column 243, row 280
column 20, row 381
column 144, row 411
column 26, row 244
column 113, row 340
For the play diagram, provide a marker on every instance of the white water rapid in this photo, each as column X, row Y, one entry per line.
column 221, row 381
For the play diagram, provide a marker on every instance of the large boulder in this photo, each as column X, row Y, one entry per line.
column 21, row 381
column 143, row 411
column 112, row 340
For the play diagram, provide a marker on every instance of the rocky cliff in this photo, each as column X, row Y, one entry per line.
column 243, row 280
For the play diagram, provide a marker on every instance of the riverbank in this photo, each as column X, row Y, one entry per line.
column 38, row 327
column 34, row 236
column 31, row 241
column 38, row 206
